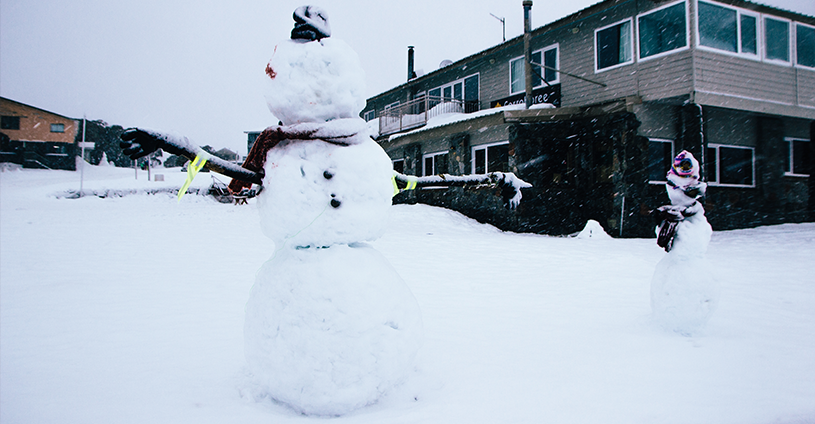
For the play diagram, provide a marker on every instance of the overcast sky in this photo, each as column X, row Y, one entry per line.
column 196, row 67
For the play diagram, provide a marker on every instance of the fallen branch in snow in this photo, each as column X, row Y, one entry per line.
column 510, row 184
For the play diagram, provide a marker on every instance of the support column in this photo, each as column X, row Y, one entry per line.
column 770, row 153
column 811, row 166
column 692, row 132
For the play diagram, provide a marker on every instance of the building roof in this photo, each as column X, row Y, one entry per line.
column 39, row 109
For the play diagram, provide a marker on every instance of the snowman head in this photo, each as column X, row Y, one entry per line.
column 314, row 78
column 683, row 186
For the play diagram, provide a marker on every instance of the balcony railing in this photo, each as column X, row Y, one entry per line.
column 417, row 112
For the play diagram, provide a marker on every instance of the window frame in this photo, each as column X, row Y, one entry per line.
column 451, row 85
column 57, row 128
column 597, row 51
column 433, row 155
column 369, row 115
column 790, row 171
column 542, row 51
column 757, row 56
column 717, row 182
column 795, row 45
column 11, row 122
column 673, row 154
column 668, row 52
column 393, row 165
column 484, row 147
column 393, row 105
column 790, row 44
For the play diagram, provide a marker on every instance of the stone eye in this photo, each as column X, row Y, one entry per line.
column 328, row 175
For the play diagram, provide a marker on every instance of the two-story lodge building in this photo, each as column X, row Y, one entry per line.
column 629, row 83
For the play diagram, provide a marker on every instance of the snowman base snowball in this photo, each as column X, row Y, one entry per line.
column 330, row 330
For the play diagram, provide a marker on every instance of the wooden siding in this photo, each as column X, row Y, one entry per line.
column 577, row 57
column 805, row 79
column 666, row 76
column 725, row 74
column 658, row 120
column 732, row 127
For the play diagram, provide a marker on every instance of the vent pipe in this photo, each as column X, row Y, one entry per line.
column 527, row 51
column 411, row 74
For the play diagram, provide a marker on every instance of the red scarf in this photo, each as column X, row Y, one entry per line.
column 341, row 132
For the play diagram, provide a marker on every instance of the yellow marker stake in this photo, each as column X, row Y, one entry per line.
column 411, row 183
column 192, row 170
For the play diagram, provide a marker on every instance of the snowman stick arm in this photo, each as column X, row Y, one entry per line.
column 232, row 170
column 511, row 185
column 137, row 143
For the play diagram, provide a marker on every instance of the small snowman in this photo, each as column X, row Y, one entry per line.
column 683, row 292
column 330, row 326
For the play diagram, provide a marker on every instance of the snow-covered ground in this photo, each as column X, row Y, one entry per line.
column 130, row 310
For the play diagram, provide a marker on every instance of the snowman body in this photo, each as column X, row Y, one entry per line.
column 330, row 325
column 684, row 294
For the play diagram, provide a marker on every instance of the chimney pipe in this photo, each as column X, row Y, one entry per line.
column 411, row 74
column 527, row 51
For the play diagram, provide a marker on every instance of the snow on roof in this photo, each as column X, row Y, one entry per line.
column 452, row 118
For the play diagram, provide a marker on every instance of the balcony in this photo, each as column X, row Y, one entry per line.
column 417, row 112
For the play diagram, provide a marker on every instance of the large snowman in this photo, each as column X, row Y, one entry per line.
column 684, row 294
column 330, row 326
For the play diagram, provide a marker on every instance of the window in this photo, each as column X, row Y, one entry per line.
column 805, row 45
column 547, row 57
column 58, row 150
column 463, row 91
column 730, row 165
column 795, row 163
column 399, row 165
column 728, row 29
column 471, row 94
column 776, row 39
column 370, row 115
column 613, row 45
column 491, row 158
column 749, row 34
column 660, row 159
column 10, row 122
column 57, row 128
column 717, row 27
column 662, row 30
column 435, row 163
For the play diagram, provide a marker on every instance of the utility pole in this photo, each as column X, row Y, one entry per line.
column 527, row 51
column 503, row 25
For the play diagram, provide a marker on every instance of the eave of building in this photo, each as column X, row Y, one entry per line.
column 512, row 116
column 38, row 109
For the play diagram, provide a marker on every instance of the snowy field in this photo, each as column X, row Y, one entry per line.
column 130, row 310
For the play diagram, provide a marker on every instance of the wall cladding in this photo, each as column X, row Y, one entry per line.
column 580, row 169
